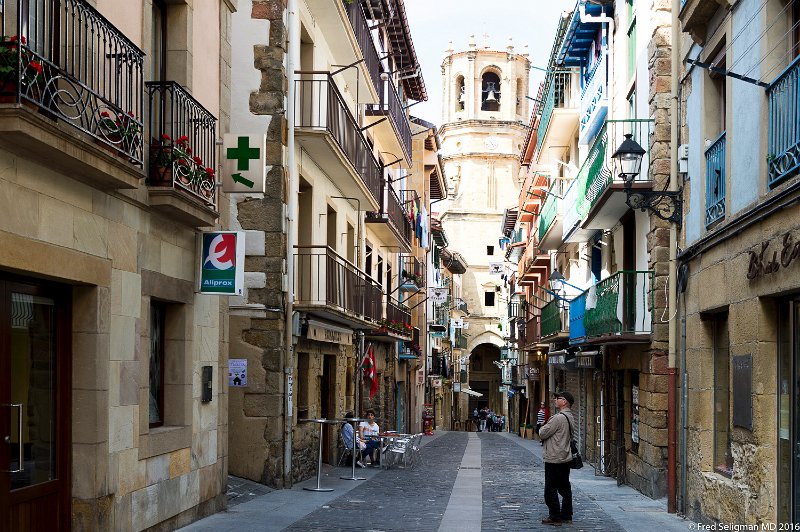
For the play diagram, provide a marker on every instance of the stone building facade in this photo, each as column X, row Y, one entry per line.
column 350, row 270
column 117, row 362
column 738, row 343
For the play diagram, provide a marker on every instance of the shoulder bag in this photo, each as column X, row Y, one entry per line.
column 577, row 461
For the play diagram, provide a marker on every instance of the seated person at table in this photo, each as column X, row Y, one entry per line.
column 370, row 428
column 347, row 440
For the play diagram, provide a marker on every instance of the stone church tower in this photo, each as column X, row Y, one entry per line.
column 484, row 117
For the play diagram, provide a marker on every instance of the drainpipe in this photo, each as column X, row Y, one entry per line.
column 672, row 279
column 293, row 63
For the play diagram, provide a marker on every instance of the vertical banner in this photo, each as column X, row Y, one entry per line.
column 222, row 263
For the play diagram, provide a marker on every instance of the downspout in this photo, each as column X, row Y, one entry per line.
column 672, row 279
column 293, row 63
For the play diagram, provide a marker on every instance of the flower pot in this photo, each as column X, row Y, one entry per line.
column 160, row 176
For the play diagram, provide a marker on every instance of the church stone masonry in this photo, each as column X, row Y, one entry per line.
column 484, row 113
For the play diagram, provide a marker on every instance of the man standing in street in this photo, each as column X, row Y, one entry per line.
column 556, row 435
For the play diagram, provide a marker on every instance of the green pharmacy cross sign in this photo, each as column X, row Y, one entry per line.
column 244, row 163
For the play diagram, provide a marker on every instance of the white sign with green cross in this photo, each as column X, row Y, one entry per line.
column 244, row 168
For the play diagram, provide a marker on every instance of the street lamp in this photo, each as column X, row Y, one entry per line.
column 666, row 204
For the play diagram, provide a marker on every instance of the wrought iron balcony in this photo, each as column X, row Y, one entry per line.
column 398, row 319
column 182, row 152
column 65, row 59
column 326, row 281
column 783, row 144
column 548, row 215
column 328, row 131
column 532, row 330
column 460, row 341
column 555, row 318
column 559, row 96
column 517, row 310
column 391, row 107
column 715, row 180
column 393, row 215
column 619, row 305
column 412, row 271
column 358, row 21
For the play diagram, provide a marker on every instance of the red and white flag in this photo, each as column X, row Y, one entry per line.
column 370, row 372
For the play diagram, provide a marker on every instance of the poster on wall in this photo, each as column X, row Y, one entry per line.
column 237, row 372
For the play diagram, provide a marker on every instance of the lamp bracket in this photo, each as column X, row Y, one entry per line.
column 666, row 204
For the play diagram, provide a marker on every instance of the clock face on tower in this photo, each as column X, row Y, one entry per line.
column 491, row 143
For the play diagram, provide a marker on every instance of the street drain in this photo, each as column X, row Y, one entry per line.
column 469, row 467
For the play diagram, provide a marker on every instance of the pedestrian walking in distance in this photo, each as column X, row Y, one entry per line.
column 556, row 435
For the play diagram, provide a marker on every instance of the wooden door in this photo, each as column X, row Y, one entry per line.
column 34, row 407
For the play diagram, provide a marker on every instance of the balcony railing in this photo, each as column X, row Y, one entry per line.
column 460, row 341
column 715, row 180
column 412, row 270
column 320, row 106
column 557, row 94
column 67, row 59
column 441, row 315
column 324, row 278
column 532, row 330
column 620, row 304
column 398, row 318
column 517, row 309
column 595, row 92
column 397, row 215
column 182, row 146
column 390, row 104
column 548, row 215
column 783, row 144
column 554, row 318
column 364, row 37
column 595, row 175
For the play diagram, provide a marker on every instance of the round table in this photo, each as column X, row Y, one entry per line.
column 353, row 420
column 322, row 422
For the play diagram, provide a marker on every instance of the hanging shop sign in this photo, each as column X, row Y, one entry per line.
column 456, row 387
column 761, row 263
column 222, row 263
column 323, row 332
column 588, row 359
column 495, row 268
column 436, row 383
column 438, row 295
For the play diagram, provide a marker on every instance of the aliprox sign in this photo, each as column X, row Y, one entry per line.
column 222, row 263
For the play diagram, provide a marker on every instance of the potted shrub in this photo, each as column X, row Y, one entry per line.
column 20, row 71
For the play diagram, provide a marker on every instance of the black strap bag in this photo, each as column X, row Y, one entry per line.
column 577, row 461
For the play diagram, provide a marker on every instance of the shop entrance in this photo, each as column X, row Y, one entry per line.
column 788, row 411
column 34, row 406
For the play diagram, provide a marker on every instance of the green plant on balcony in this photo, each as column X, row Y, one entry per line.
column 173, row 161
column 120, row 129
column 396, row 326
column 413, row 277
column 18, row 66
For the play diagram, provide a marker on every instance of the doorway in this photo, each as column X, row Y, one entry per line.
column 328, row 406
column 35, row 409
column 788, row 411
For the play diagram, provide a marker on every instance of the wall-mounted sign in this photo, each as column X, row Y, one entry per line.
column 222, row 263
column 323, row 332
column 555, row 359
column 456, row 387
column 237, row 372
column 244, row 164
column 495, row 268
column 763, row 264
column 436, row 383
column 457, row 323
column 437, row 294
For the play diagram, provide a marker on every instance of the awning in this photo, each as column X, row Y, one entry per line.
column 471, row 392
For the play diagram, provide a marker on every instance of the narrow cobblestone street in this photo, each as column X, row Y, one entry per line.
column 502, row 471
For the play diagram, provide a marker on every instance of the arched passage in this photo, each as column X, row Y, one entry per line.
column 484, row 377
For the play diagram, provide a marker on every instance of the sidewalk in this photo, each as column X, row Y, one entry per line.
column 632, row 510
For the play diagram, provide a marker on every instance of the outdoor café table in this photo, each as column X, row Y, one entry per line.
column 352, row 420
column 386, row 439
column 321, row 422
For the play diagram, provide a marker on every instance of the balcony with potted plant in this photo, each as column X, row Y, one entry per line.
column 69, row 100
column 181, row 177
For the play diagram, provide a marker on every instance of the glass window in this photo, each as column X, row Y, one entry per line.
column 488, row 299
column 723, row 461
column 631, row 38
column 157, row 333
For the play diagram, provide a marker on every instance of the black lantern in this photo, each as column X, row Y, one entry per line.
column 628, row 159
column 556, row 281
column 666, row 204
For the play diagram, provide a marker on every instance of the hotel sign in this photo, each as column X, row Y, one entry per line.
column 326, row 333
column 761, row 263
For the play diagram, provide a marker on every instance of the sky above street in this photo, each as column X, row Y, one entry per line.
column 435, row 22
